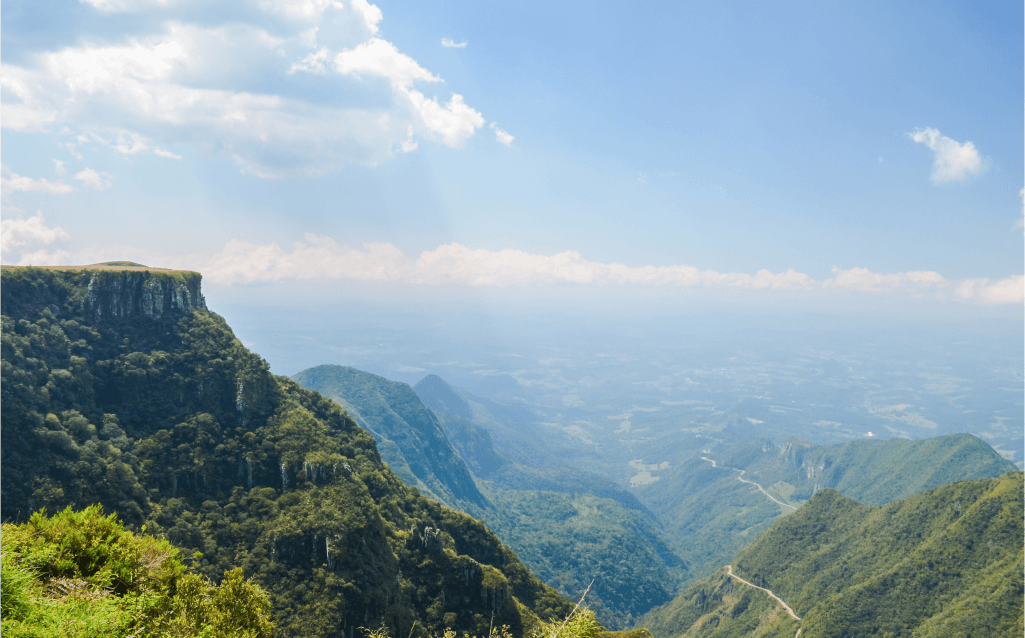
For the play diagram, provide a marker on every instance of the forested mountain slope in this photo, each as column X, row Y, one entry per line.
column 470, row 425
column 568, row 525
column 121, row 388
column 408, row 435
column 947, row 562
column 710, row 513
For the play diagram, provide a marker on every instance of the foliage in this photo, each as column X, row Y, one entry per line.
column 396, row 416
column 570, row 539
column 83, row 574
column 709, row 515
column 170, row 422
column 946, row 562
column 553, row 521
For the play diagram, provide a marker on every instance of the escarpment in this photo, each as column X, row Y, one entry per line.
column 98, row 295
column 121, row 388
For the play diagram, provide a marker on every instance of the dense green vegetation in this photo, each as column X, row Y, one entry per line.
column 120, row 388
column 83, row 574
column 408, row 435
column 709, row 515
column 948, row 562
column 569, row 539
column 569, row 526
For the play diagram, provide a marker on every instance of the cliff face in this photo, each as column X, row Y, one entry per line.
column 120, row 388
column 127, row 295
column 102, row 295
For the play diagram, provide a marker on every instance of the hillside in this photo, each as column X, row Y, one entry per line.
column 946, row 562
column 81, row 573
column 408, row 435
column 121, row 388
column 709, row 514
column 568, row 525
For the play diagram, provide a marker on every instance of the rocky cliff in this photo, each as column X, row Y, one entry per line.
column 103, row 295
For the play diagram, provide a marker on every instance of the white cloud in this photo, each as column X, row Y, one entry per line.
column 11, row 182
column 93, row 179
column 380, row 58
column 865, row 280
column 983, row 291
column 369, row 12
column 501, row 135
column 231, row 88
column 58, row 167
column 952, row 161
column 31, row 232
column 129, row 143
column 449, row 43
column 320, row 257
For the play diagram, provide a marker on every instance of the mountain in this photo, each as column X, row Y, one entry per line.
column 947, row 562
column 712, row 506
column 568, row 525
column 121, row 388
column 408, row 435
column 571, row 526
column 469, row 423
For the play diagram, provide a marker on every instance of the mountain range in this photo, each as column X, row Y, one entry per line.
column 946, row 562
column 357, row 502
column 568, row 525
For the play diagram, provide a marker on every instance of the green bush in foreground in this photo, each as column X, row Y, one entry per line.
column 82, row 574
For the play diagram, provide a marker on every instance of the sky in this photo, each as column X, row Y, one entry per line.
column 819, row 155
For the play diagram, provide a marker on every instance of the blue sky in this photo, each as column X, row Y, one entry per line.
column 867, row 150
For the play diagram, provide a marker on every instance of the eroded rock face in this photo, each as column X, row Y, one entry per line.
column 127, row 295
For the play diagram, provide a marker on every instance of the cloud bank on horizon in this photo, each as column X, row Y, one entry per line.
column 322, row 258
column 281, row 88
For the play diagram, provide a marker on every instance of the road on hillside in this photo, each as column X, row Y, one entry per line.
column 744, row 480
column 729, row 570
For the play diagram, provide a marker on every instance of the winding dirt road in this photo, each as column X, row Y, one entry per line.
column 729, row 570
column 744, row 480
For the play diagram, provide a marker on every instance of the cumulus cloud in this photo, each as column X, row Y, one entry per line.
column 11, row 182
column 865, row 280
column 501, row 136
column 449, row 43
column 28, row 233
column 238, row 84
column 951, row 161
column 322, row 257
column 1003, row 291
column 927, row 283
column 93, row 179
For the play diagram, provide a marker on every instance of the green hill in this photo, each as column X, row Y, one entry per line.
column 947, row 562
column 121, row 388
column 568, row 525
column 709, row 514
column 408, row 435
